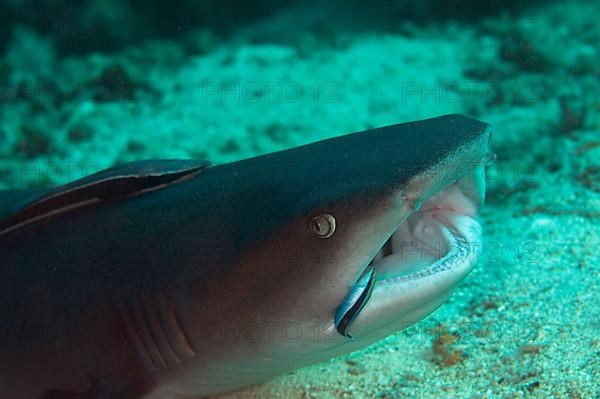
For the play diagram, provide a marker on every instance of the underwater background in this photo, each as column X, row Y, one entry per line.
column 85, row 85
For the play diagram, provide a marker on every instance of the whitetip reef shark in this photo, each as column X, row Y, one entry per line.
column 169, row 279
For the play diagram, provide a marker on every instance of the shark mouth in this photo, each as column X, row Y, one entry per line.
column 433, row 249
column 442, row 234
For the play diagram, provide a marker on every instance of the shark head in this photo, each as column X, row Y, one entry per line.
column 339, row 243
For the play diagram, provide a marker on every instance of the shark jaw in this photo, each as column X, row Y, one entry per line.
column 433, row 246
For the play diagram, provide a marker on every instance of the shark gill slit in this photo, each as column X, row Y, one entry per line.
column 144, row 332
column 134, row 338
column 174, row 329
column 155, row 333
column 159, row 336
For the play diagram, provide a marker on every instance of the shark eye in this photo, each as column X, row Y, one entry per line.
column 323, row 225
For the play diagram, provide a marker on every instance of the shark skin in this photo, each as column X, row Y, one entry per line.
column 178, row 279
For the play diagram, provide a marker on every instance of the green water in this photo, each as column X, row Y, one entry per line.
column 86, row 86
